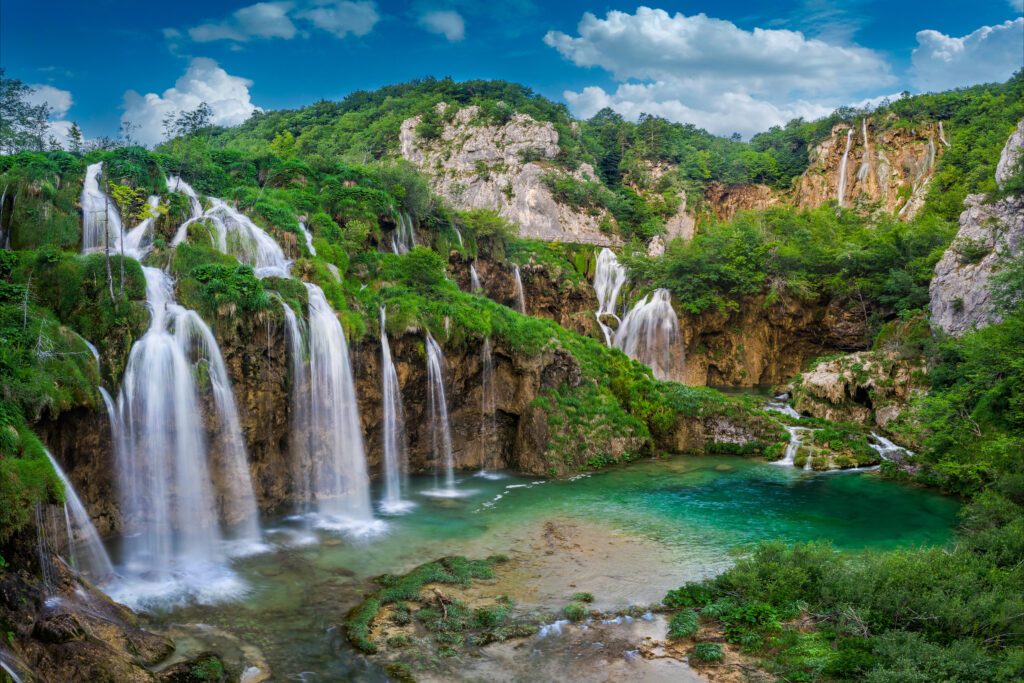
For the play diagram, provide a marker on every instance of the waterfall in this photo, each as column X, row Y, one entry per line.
column 458, row 233
column 393, row 428
column 404, row 237
column 176, row 184
column 942, row 136
column 8, row 669
column 474, row 280
column 299, row 446
column 85, row 549
column 341, row 486
column 795, row 440
column 488, row 413
column 520, row 295
column 609, row 279
column 440, row 429
column 842, row 167
column 101, row 221
column 175, row 542
column 649, row 332
column 865, row 159
column 309, row 238
column 886, row 449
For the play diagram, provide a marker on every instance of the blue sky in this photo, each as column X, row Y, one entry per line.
column 723, row 65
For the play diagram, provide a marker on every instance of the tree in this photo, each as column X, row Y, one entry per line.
column 133, row 206
column 76, row 141
column 283, row 145
column 23, row 125
column 188, row 122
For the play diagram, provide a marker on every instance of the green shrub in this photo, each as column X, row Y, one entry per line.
column 683, row 625
column 707, row 652
column 575, row 611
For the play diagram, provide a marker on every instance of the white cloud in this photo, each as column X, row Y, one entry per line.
column 204, row 81
column 710, row 72
column 58, row 100
column 989, row 54
column 446, row 23
column 342, row 17
column 262, row 20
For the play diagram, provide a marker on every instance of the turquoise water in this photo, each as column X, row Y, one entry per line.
column 698, row 512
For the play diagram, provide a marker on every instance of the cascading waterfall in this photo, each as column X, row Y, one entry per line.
column 795, row 440
column 886, row 449
column 780, row 404
column 309, row 238
column 650, row 332
column 942, row 136
column 440, row 429
column 101, row 221
column 609, row 279
column 85, row 549
column 474, row 280
column 520, row 294
column 395, row 466
column 175, row 542
column 458, row 233
column 865, row 159
column 341, row 485
column 404, row 237
column 488, row 413
column 842, row 167
column 299, row 447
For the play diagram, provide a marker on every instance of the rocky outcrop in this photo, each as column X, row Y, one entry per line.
column 990, row 233
column 63, row 629
column 764, row 343
column 724, row 201
column 873, row 165
column 870, row 388
column 477, row 165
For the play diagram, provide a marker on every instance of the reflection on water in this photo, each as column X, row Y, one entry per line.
column 698, row 509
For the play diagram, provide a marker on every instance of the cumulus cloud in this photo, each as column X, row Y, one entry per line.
column 989, row 54
column 58, row 100
column 266, row 20
column 710, row 72
column 203, row 81
column 446, row 23
column 262, row 20
column 342, row 17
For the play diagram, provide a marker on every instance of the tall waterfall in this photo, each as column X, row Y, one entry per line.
column 404, row 237
column 299, row 446
column 520, row 294
column 474, row 280
column 308, row 236
column 440, row 429
column 85, row 548
column 101, row 221
column 341, row 486
column 942, row 136
column 650, row 332
column 609, row 279
column 488, row 412
column 842, row 167
column 865, row 159
column 175, row 542
column 394, row 428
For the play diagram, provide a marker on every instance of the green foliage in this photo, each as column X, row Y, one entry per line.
column 683, row 625
column 707, row 652
column 575, row 611
column 583, row 597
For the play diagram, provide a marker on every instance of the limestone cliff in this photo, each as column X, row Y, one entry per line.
column 990, row 233
column 876, row 165
column 474, row 164
column 870, row 387
column 724, row 201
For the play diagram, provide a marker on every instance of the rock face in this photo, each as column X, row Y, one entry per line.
column 65, row 630
column 725, row 201
column 869, row 388
column 484, row 166
column 989, row 234
column 761, row 344
column 873, row 166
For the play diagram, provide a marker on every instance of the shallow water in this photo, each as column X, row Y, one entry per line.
column 695, row 511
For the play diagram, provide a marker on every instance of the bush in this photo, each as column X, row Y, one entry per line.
column 683, row 625
column 707, row 652
column 575, row 611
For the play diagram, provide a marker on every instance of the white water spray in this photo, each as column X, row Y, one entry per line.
column 842, row 167
column 440, row 429
column 309, row 238
column 520, row 294
column 85, row 548
column 101, row 221
column 609, row 278
column 474, row 280
column 650, row 333
column 404, row 237
column 395, row 466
